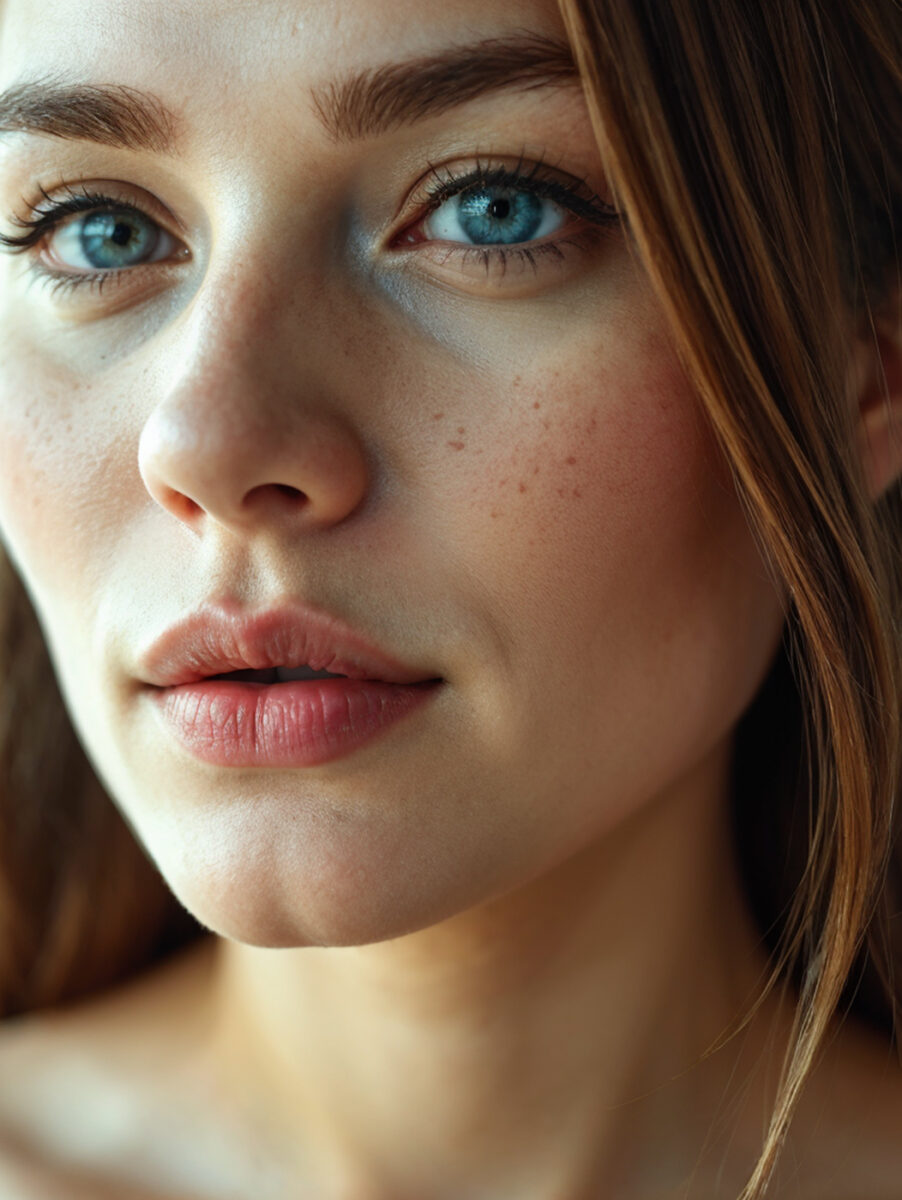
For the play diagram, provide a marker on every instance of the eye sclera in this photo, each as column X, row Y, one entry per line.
column 571, row 195
column 433, row 188
column 163, row 244
column 64, row 205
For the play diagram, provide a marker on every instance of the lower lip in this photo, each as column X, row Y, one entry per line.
column 294, row 724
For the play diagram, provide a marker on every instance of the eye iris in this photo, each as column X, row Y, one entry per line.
column 115, row 239
column 493, row 215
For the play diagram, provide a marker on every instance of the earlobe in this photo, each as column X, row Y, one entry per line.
column 879, row 397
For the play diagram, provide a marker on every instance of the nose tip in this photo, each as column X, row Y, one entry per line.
column 309, row 470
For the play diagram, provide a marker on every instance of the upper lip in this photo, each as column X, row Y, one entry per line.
column 214, row 642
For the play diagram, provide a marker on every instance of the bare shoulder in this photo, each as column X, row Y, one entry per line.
column 80, row 1086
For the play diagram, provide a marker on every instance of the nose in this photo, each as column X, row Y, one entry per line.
column 247, row 430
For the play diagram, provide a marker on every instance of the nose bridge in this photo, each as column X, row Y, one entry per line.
column 237, row 322
column 246, row 422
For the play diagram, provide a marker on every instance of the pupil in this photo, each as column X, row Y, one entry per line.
column 121, row 235
column 499, row 209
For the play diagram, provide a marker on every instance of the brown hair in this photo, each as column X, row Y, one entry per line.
column 754, row 149
column 754, row 152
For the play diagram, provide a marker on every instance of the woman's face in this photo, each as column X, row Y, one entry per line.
column 378, row 351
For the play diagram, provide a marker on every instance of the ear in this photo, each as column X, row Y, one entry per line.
column 878, row 388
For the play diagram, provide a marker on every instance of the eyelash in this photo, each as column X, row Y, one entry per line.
column 44, row 221
column 575, row 195
column 442, row 184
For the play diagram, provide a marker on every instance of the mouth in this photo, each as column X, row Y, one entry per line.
column 275, row 675
column 285, row 716
column 290, row 687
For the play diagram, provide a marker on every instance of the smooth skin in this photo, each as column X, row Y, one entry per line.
column 484, row 955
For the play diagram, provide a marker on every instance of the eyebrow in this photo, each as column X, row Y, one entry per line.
column 365, row 104
column 109, row 114
column 382, row 99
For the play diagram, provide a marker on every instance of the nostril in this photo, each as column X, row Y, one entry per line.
column 285, row 491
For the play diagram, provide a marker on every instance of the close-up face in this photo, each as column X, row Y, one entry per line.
column 372, row 348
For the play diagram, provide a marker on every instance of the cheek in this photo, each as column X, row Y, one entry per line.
column 61, row 482
column 603, row 526
column 610, row 462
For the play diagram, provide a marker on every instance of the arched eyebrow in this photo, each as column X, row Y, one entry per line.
column 380, row 100
column 365, row 104
column 109, row 114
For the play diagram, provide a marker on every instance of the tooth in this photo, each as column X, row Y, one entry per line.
column 283, row 674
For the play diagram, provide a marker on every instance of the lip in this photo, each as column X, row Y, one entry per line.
column 292, row 723
column 214, row 641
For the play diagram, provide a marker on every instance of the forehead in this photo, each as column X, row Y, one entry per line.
column 196, row 41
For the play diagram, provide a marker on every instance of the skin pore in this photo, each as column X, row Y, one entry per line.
column 484, row 954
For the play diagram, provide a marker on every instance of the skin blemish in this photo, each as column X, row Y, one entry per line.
column 536, row 404
column 461, row 429
column 523, row 487
column 536, row 470
column 571, row 461
column 437, row 416
column 502, row 483
column 457, row 445
column 577, row 493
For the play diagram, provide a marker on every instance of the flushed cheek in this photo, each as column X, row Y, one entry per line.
column 599, row 453
column 605, row 532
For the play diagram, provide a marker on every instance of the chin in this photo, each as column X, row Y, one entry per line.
column 329, row 903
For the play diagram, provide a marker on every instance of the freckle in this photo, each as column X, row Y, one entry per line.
column 537, row 404
column 461, row 429
column 571, row 461
column 437, row 416
column 502, row 483
column 577, row 493
column 522, row 486
column 495, row 514
column 456, row 445
column 536, row 470
column 517, row 381
column 546, row 424
column 560, row 491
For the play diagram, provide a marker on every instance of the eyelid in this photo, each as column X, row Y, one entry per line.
column 449, row 179
column 86, row 198
column 441, row 183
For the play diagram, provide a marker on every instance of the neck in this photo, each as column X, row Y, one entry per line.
column 548, row 1041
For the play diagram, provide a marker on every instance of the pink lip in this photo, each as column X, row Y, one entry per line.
column 302, row 723
column 295, row 723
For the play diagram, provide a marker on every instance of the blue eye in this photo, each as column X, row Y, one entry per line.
column 109, row 241
column 489, row 215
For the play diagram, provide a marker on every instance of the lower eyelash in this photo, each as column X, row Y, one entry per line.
column 499, row 258
column 61, row 284
column 502, row 256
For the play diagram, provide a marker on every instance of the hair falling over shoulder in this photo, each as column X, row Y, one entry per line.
column 754, row 151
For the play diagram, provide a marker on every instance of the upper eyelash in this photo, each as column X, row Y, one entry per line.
column 43, row 221
column 576, row 196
